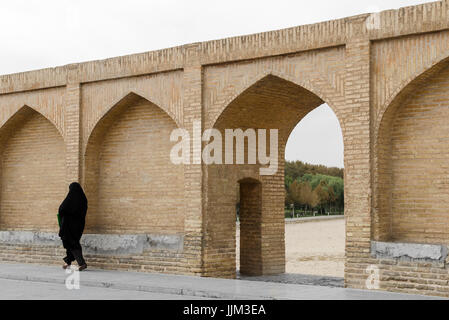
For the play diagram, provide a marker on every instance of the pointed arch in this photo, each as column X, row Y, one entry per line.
column 405, row 139
column 127, row 173
column 319, row 90
column 33, row 171
column 107, row 117
column 268, row 101
column 406, row 87
column 20, row 116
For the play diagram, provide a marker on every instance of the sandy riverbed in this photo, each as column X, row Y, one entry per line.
column 316, row 248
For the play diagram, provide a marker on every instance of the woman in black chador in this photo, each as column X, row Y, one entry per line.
column 72, row 214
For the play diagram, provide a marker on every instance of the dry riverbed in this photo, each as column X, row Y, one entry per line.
column 315, row 248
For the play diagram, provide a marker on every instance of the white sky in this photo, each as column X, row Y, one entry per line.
column 48, row 33
column 317, row 139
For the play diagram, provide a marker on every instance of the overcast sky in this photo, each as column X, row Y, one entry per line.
column 48, row 33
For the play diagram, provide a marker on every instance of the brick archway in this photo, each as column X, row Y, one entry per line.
column 29, row 145
column 317, row 86
column 410, row 140
column 129, row 180
column 270, row 103
column 250, row 216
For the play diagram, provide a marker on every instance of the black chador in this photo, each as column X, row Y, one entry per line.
column 72, row 215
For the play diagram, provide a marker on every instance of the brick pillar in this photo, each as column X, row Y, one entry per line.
column 357, row 140
column 273, row 219
column 72, row 123
column 193, row 173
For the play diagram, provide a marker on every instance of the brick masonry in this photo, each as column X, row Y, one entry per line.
column 107, row 123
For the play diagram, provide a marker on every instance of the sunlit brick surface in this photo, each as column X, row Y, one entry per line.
column 419, row 165
column 33, row 175
column 133, row 186
column 106, row 123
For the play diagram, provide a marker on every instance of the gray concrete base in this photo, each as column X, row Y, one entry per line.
column 294, row 278
column 190, row 286
column 107, row 244
column 409, row 251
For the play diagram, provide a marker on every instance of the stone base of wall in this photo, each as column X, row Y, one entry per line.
column 402, row 267
column 146, row 253
column 413, row 252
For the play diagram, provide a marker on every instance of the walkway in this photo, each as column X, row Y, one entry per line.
column 26, row 281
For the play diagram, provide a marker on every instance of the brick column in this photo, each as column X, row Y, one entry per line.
column 193, row 173
column 72, row 123
column 273, row 219
column 357, row 141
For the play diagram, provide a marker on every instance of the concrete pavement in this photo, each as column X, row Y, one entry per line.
column 49, row 282
column 303, row 279
column 30, row 290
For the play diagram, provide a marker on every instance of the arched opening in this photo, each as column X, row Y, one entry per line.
column 33, row 172
column 271, row 103
column 412, row 163
column 314, row 182
column 250, row 214
column 129, row 179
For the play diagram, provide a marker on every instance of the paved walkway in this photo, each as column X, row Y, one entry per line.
column 30, row 290
column 97, row 284
column 293, row 278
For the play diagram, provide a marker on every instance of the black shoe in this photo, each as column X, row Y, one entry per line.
column 82, row 267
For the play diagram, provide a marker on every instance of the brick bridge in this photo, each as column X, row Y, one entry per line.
column 107, row 124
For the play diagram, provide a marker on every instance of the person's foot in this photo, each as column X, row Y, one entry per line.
column 65, row 266
column 82, row 267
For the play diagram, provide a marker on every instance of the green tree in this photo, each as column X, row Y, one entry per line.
column 323, row 194
column 308, row 198
column 326, row 183
column 332, row 197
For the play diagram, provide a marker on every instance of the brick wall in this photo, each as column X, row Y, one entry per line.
column 417, row 164
column 131, row 184
column 29, row 199
column 270, row 103
column 104, row 123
